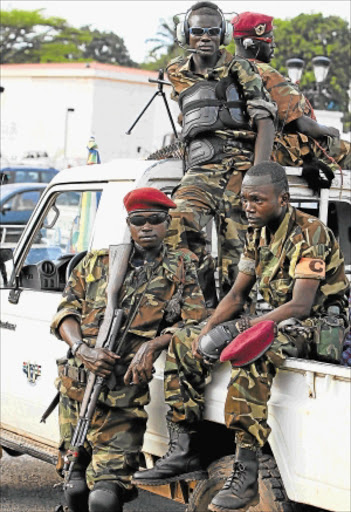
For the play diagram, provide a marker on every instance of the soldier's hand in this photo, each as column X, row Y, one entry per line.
column 333, row 132
column 97, row 360
column 141, row 367
column 194, row 348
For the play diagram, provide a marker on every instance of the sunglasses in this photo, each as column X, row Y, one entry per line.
column 199, row 31
column 154, row 219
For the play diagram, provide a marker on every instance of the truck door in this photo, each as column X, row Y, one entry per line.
column 61, row 227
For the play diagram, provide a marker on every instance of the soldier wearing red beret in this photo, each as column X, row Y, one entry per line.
column 300, row 141
column 160, row 294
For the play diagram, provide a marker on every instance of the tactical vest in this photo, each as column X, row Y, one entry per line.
column 212, row 105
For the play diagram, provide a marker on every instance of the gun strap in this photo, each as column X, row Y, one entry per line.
column 52, row 406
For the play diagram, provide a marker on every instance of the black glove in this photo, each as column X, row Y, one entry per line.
column 212, row 343
column 317, row 174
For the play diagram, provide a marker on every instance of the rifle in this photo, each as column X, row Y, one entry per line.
column 107, row 338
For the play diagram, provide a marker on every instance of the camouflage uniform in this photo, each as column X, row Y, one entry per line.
column 166, row 296
column 275, row 266
column 291, row 148
column 212, row 190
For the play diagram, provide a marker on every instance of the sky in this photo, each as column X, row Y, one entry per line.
column 136, row 21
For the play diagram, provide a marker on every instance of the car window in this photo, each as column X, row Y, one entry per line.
column 67, row 227
column 46, row 176
column 25, row 176
column 23, row 201
column 26, row 200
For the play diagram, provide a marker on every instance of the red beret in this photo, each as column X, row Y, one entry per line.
column 250, row 344
column 147, row 198
column 251, row 24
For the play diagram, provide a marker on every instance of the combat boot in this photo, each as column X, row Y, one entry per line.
column 241, row 488
column 181, row 462
column 76, row 492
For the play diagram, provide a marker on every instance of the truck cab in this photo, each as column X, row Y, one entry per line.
column 81, row 210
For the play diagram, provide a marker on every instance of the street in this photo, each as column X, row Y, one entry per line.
column 31, row 485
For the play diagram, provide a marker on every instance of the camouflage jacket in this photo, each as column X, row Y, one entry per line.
column 258, row 102
column 299, row 240
column 157, row 296
column 291, row 103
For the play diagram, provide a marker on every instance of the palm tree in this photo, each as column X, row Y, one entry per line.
column 165, row 40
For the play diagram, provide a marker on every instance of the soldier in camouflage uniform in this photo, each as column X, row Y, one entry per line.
column 299, row 268
column 160, row 293
column 300, row 140
column 227, row 125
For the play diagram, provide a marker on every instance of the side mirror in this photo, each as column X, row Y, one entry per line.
column 6, row 208
column 7, row 269
column 51, row 218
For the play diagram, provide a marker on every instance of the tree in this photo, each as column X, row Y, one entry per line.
column 28, row 36
column 309, row 35
column 107, row 47
column 165, row 40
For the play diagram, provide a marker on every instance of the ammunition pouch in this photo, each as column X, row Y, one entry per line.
column 320, row 338
column 211, row 150
column 71, row 380
column 208, row 106
column 328, row 338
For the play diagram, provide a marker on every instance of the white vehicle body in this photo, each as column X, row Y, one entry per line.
column 309, row 410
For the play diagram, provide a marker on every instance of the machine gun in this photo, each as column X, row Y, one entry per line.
column 161, row 82
column 107, row 338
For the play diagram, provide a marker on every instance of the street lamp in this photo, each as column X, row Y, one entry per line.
column 320, row 68
column 295, row 68
column 68, row 110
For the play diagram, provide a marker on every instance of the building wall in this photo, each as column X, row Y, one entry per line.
column 106, row 101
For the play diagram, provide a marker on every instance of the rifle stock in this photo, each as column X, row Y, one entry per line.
column 107, row 338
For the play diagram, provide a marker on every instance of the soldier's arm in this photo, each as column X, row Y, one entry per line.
column 140, row 368
column 66, row 324
column 261, row 110
column 299, row 306
column 232, row 304
column 309, row 127
column 264, row 140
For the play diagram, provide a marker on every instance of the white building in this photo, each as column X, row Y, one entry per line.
column 106, row 100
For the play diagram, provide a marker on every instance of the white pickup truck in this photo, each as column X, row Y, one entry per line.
column 307, row 461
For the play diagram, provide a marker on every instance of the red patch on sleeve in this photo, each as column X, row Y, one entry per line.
column 310, row 267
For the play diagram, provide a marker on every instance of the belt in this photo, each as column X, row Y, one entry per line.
column 77, row 374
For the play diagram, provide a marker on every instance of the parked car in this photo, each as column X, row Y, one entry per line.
column 17, row 202
column 26, row 174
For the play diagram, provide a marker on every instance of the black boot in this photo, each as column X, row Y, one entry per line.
column 76, row 492
column 181, row 462
column 241, row 489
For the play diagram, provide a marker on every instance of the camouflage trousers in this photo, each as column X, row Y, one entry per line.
column 290, row 149
column 114, row 441
column 248, row 392
column 212, row 192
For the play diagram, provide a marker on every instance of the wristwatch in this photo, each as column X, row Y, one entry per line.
column 75, row 347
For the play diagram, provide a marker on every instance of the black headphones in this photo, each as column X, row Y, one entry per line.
column 183, row 27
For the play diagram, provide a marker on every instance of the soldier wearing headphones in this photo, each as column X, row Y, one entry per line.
column 227, row 125
column 300, row 140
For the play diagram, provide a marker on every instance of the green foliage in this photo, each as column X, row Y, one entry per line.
column 29, row 36
column 309, row 35
column 165, row 47
column 107, row 47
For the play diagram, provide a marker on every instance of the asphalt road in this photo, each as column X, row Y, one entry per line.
column 31, row 485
